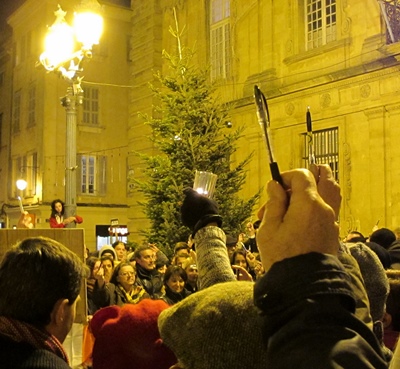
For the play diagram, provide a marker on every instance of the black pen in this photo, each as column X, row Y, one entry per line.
column 311, row 156
column 263, row 120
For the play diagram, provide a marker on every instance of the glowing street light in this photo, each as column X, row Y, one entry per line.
column 63, row 57
column 21, row 184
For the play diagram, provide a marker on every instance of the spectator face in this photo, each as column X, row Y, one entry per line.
column 231, row 249
column 147, row 259
column 179, row 260
column 183, row 253
column 240, row 260
column 162, row 269
column 176, row 283
column 126, row 277
column 192, row 273
column 58, row 207
column 108, row 270
column 120, row 251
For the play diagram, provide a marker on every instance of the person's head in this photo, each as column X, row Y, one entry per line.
column 230, row 244
column 239, row 258
column 57, row 207
column 192, row 273
column 175, row 278
column 374, row 276
column 120, row 249
column 40, row 280
column 182, row 249
column 162, row 265
column 354, row 236
column 145, row 257
column 383, row 236
column 130, row 258
column 108, row 250
column 94, row 265
column 211, row 321
column 124, row 274
column 107, row 263
column 127, row 337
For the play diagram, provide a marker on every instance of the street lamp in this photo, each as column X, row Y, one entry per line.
column 61, row 56
column 21, row 184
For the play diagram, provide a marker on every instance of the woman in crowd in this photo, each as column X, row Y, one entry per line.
column 122, row 288
column 57, row 219
column 107, row 263
column 239, row 258
column 174, row 282
column 94, row 264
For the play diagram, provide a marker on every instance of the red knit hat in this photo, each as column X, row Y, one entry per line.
column 128, row 337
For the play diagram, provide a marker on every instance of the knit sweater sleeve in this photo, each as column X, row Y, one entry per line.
column 212, row 257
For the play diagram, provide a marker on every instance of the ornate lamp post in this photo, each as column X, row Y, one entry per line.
column 60, row 56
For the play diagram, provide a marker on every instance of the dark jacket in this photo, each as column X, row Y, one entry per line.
column 20, row 355
column 309, row 322
column 150, row 280
column 172, row 297
column 251, row 245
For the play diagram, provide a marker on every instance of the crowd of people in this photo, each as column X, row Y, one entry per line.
column 290, row 294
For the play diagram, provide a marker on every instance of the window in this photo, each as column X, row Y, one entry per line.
column 321, row 22
column 32, row 106
column 17, row 112
column 326, row 149
column 92, row 174
column 18, row 164
column 390, row 10
column 91, row 106
column 220, row 39
column 25, row 167
column 29, row 173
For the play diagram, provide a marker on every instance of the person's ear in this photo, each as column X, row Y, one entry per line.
column 58, row 314
column 387, row 320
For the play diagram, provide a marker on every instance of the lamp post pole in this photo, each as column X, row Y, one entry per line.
column 59, row 56
column 70, row 102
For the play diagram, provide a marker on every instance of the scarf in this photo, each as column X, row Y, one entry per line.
column 23, row 332
column 135, row 295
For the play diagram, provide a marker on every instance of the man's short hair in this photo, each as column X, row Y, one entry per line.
column 138, row 251
column 36, row 273
column 116, row 243
column 181, row 246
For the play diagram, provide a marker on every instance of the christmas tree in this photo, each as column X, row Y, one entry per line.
column 191, row 131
